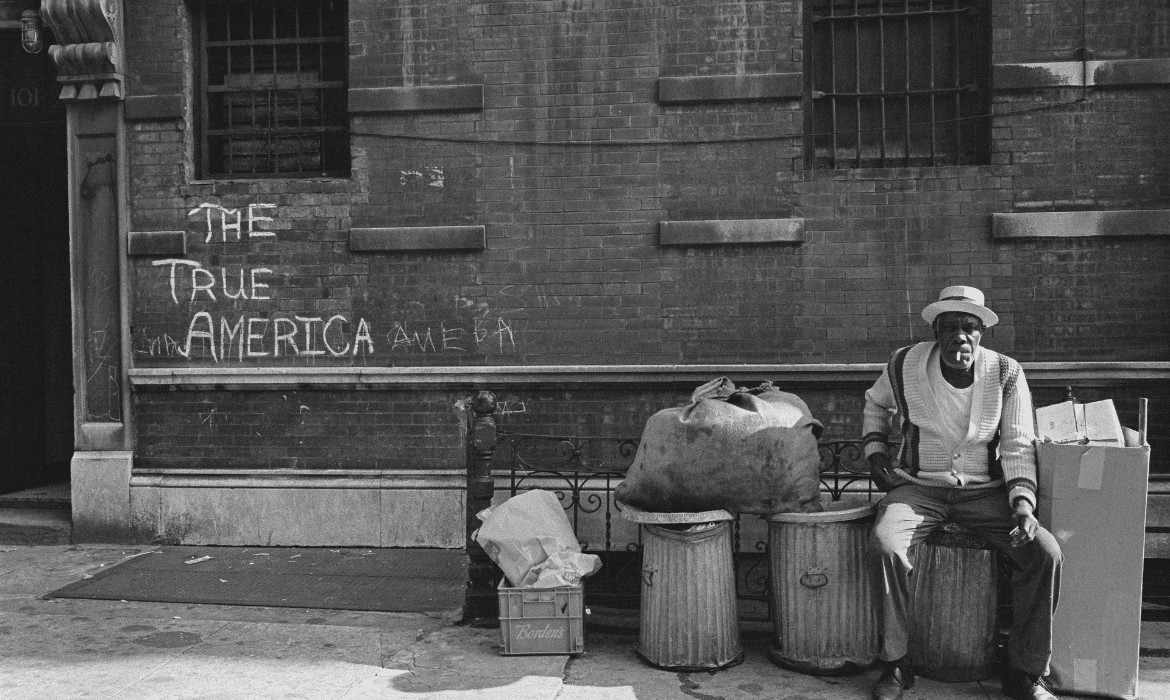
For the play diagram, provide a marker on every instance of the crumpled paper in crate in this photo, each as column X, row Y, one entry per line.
column 530, row 538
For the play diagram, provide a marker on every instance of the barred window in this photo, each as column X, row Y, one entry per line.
column 897, row 83
column 273, row 88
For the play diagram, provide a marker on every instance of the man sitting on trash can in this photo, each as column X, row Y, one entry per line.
column 967, row 457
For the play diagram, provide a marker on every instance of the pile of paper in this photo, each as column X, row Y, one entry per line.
column 1070, row 422
column 529, row 536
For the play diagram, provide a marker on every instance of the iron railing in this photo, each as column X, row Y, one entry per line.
column 583, row 473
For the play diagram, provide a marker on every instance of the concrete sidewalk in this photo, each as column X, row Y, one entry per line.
column 64, row 649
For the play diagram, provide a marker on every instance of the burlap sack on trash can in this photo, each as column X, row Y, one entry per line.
column 745, row 451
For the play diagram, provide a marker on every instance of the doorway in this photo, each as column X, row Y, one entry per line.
column 36, row 366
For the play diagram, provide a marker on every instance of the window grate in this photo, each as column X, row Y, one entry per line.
column 897, row 83
column 273, row 88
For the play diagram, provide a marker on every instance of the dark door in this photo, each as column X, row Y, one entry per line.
column 36, row 369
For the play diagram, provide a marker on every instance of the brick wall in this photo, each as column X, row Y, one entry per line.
column 1051, row 30
column 573, row 272
column 157, row 46
column 299, row 430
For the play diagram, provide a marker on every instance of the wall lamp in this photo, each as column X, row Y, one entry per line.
column 31, row 31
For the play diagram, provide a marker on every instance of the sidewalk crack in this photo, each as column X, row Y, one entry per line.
column 126, row 687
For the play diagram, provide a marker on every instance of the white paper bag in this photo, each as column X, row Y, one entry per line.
column 529, row 536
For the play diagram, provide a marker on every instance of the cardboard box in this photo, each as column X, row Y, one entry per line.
column 1093, row 500
column 542, row 620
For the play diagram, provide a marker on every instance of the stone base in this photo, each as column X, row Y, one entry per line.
column 281, row 508
column 100, row 493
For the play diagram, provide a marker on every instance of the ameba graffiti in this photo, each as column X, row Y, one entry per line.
column 241, row 336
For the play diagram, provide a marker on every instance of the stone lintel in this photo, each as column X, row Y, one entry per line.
column 1081, row 224
column 718, row 88
column 1062, row 74
column 404, row 238
column 731, row 231
column 422, row 98
column 158, row 243
column 154, row 107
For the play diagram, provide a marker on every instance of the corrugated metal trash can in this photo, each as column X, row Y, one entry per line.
column 822, row 603
column 953, row 606
column 689, row 617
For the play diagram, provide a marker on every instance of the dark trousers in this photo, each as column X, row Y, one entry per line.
column 910, row 512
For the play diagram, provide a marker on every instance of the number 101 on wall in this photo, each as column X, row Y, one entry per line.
column 24, row 97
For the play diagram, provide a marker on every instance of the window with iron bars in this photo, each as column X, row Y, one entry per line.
column 897, row 83
column 272, row 92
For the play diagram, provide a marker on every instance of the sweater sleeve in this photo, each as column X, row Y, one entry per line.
column 880, row 406
column 1017, row 442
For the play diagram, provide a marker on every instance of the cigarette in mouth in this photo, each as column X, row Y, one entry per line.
column 958, row 356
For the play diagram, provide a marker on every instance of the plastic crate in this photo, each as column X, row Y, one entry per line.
column 542, row 620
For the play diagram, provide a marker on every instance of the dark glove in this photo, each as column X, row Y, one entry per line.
column 882, row 473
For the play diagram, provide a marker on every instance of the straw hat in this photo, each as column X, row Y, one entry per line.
column 968, row 300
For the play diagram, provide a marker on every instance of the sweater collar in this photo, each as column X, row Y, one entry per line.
column 930, row 353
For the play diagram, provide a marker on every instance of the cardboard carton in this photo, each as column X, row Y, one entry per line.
column 1093, row 500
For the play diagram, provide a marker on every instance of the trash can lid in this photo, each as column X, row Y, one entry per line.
column 638, row 515
column 848, row 508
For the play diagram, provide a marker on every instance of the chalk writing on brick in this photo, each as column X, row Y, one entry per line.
column 253, row 337
column 495, row 332
column 234, row 221
column 245, row 282
column 243, row 335
column 431, row 175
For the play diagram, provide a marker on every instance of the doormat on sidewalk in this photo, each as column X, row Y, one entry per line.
column 389, row 580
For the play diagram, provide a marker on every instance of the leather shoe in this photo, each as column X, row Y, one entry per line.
column 896, row 677
column 1020, row 685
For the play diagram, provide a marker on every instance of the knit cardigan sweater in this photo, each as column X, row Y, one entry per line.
column 1001, row 423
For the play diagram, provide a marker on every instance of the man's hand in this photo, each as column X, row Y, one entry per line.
column 881, row 473
column 1026, row 523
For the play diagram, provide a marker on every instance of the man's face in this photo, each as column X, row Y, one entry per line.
column 958, row 335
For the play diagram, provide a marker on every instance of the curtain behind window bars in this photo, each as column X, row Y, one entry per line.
column 274, row 88
column 898, row 82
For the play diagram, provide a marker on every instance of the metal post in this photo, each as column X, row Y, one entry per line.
column 1143, row 412
column 481, row 603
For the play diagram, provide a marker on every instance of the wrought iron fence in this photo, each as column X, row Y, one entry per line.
column 583, row 473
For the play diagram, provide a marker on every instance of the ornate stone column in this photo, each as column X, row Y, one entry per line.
column 88, row 55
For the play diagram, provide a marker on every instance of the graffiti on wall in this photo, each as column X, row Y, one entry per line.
column 242, row 337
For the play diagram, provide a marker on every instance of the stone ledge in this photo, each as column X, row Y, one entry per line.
column 423, row 98
column 1081, row 224
column 718, row 88
column 157, row 243
column 731, row 231
column 393, row 378
column 154, row 107
column 390, row 480
column 407, row 238
column 1060, row 74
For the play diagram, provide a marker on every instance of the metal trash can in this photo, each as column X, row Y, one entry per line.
column 822, row 603
column 689, row 617
column 953, row 606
